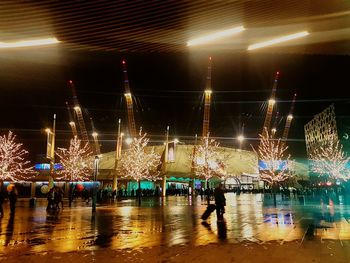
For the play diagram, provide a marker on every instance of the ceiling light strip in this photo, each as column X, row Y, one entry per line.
column 278, row 40
column 215, row 36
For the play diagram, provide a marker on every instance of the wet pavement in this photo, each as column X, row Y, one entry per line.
column 176, row 221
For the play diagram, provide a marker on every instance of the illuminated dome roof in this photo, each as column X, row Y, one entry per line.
column 237, row 161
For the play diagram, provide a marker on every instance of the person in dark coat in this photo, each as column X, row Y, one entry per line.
column 50, row 199
column 13, row 199
column 2, row 199
column 58, row 198
column 220, row 202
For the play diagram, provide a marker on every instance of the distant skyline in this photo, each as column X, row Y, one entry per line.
column 168, row 88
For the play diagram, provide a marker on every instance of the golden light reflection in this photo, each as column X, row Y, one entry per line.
column 247, row 218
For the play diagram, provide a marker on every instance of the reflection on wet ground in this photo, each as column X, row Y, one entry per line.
column 175, row 221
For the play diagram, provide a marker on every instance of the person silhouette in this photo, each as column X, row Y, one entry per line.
column 13, row 199
column 220, row 202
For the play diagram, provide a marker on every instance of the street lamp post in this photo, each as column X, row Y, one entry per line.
column 192, row 171
column 117, row 156
column 94, row 189
column 240, row 139
column 50, row 155
column 165, row 162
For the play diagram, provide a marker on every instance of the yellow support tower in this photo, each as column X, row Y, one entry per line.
column 78, row 112
column 289, row 120
column 71, row 121
column 275, row 124
column 207, row 101
column 129, row 103
column 271, row 104
column 97, row 149
column 118, row 153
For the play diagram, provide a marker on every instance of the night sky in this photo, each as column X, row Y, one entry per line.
column 168, row 88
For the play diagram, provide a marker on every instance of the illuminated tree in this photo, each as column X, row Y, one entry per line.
column 329, row 159
column 139, row 163
column 77, row 161
column 272, row 152
column 207, row 161
column 13, row 166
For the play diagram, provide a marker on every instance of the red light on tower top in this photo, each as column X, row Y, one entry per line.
column 209, row 58
column 70, row 81
column 123, row 61
column 277, row 72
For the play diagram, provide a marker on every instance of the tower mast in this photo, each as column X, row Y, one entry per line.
column 71, row 121
column 289, row 120
column 78, row 112
column 207, row 101
column 95, row 136
column 129, row 102
column 271, row 104
column 275, row 123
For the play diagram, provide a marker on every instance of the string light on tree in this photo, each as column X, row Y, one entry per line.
column 273, row 153
column 207, row 161
column 330, row 160
column 137, row 162
column 13, row 166
column 77, row 161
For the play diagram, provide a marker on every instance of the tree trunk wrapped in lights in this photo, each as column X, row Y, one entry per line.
column 77, row 161
column 329, row 159
column 13, row 166
column 139, row 163
column 207, row 161
column 273, row 153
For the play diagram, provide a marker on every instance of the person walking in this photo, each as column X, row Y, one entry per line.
column 50, row 199
column 71, row 195
column 2, row 199
column 58, row 198
column 220, row 202
column 13, row 200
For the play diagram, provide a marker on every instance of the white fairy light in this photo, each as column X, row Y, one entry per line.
column 206, row 159
column 272, row 152
column 137, row 162
column 13, row 166
column 77, row 161
column 329, row 159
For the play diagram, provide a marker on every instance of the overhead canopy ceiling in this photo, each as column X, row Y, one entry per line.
column 166, row 26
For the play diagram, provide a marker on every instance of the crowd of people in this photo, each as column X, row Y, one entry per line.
column 56, row 194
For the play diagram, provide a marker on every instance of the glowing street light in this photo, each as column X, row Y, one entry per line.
column 76, row 108
column 278, row 40
column 215, row 36
column 176, row 140
column 30, row 43
column 128, row 141
column 94, row 134
column 272, row 101
column 48, row 130
column 240, row 138
column 290, row 117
